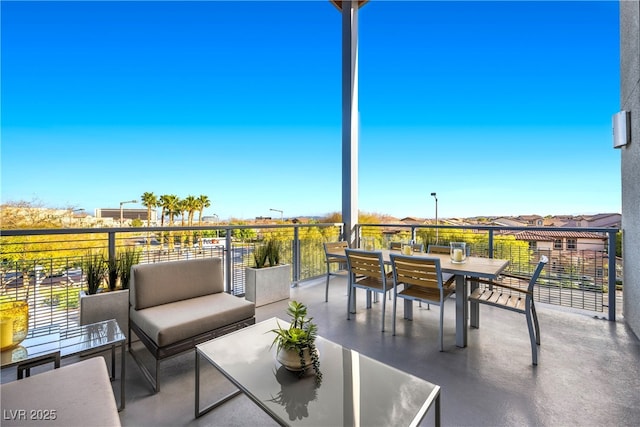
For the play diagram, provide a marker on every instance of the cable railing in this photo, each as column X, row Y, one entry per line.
column 45, row 266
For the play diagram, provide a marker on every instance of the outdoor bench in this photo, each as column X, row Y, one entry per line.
column 176, row 305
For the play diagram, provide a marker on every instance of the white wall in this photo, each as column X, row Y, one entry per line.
column 630, row 101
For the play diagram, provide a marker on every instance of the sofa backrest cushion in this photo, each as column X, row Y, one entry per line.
column 166, row 282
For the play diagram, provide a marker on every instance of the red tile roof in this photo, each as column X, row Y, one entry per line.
column 551, row 235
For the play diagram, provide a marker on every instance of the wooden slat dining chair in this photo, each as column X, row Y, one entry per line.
column 366, row 271
column 333, row 260
column 415, row 247
column 421, row 280
column 514, row 299
column 448, row 279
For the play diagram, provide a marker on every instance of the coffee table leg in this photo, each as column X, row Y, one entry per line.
column 214, row 405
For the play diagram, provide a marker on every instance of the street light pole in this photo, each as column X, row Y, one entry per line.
column 434, row 196
column 217, row 223
column 122, row 203
column 281, row 214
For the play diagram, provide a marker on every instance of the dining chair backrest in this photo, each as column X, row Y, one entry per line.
column 415, row 247
column 536, row 273
column 443, row 249
column 333, row 252
column 366, row 263
column 438, row 249
column 416, row 271
column 334, row 247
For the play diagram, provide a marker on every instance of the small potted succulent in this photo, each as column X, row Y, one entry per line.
column 296, row 348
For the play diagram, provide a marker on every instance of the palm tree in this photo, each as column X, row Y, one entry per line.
column 202, row 202
column 162, row 202
column 190, row 205
column 170, row 204
column 149, row 201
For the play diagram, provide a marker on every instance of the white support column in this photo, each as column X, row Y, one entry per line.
column 350, row 119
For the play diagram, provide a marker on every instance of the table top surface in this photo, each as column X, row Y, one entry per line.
column 51, row 339
column 355, row 389
column 473, row 266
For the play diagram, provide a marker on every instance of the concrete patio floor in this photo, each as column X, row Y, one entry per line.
column 587, row 373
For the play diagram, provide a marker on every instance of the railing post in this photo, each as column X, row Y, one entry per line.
column 612, row 275
column 296, row 257
column 490, row 248
column 228, row 261
column 112, row 246
column 490, row 243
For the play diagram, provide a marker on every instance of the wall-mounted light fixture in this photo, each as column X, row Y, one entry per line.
column 621, row 130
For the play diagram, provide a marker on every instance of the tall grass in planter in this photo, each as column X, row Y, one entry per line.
column 94, row 267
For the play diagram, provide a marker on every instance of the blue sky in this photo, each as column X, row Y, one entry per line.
column 502, row 108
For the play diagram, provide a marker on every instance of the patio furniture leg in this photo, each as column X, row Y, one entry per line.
column 408, row 309
column 441, row 327
column 474, row 309
column 461, row 311
column 535, row 322
column 351, row 300
column 384, row 302
column 532, row 338
column 395, row 301
column 326, row 291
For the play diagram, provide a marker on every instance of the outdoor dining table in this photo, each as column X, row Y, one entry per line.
column 472, row 267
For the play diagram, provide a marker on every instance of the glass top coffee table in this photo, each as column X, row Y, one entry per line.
column 48, row 344
column 355, row 389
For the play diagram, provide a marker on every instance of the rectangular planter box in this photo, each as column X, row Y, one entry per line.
column 105, row 306
column 267, row 285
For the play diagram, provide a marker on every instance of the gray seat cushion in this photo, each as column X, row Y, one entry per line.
column 170, row 323
column 80, row 394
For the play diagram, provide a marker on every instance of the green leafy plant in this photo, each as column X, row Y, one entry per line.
column 94, row 267
column 113, row 273
column 128, row 258
column 268, row 253
column 300, row 334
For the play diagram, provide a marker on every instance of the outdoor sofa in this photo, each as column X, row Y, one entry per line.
column 176, row 305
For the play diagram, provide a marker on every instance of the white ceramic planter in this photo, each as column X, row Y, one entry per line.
column 290, row 359
column 105, row 306
column 266, row 285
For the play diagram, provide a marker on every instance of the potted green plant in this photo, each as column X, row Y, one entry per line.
column 267, row 254
column 295, row 345
column 269, row 280
column 96, row 306
column 112, row 273
column 94, row 268
column 127, row 259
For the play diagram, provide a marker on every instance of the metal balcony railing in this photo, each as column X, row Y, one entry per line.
column 45, row 266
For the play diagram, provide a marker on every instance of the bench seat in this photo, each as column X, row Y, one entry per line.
column 79, row 394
